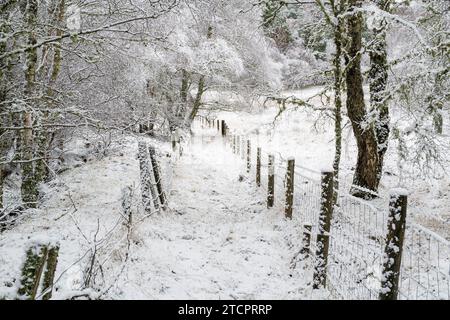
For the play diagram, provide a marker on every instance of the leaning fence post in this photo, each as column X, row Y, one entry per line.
column 289, row 188
column 258, row 166
column 306, row 241
column 323, row 235
column 145, row 177
column 248, row 156
column 271, row 181
column 157, row 175
column 394, row 244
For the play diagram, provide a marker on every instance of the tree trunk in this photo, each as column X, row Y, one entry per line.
column 5, row 136
column 366, row 172
column 198, row 97
column 184, row 86
column 181, row 111
column 43, row 136
column 29, row 183
column 338, row 35
column 201, row 87
column 378, row 78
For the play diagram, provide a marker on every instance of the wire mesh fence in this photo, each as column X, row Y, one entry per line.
column 357, row 237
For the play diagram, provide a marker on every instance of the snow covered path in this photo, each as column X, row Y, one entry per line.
column 218, row 242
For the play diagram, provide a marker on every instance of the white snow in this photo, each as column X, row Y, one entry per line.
column 216, row 241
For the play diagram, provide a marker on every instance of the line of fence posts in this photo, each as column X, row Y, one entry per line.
column 396, row 221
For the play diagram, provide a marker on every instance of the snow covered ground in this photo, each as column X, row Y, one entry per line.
column 217, row 240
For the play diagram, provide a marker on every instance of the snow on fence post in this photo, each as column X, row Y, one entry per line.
column 147, row 189
column 248, row 156
column 323, row 235
column 127, row 193
column 289, row 188
column 157, row 175
column 306, row 241
column 35, row 281
column 394, row 244
column 242, row 148
column 258, row 166
column 271, row 181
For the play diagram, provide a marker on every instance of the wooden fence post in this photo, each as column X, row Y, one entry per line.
column 248, row 156
column 147, row 188
column 258, row 166
column 218, row 125
column 238, row 145
column 306, row 241
column 271, row 181
column 233, row 142
column 224, row 128
column 394, row 244
column 157, row 175
column 323, row 235
column 289, row 188
column 242, row 148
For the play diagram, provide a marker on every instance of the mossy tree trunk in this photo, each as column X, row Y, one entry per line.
column 378, row 80
column 38, row 272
